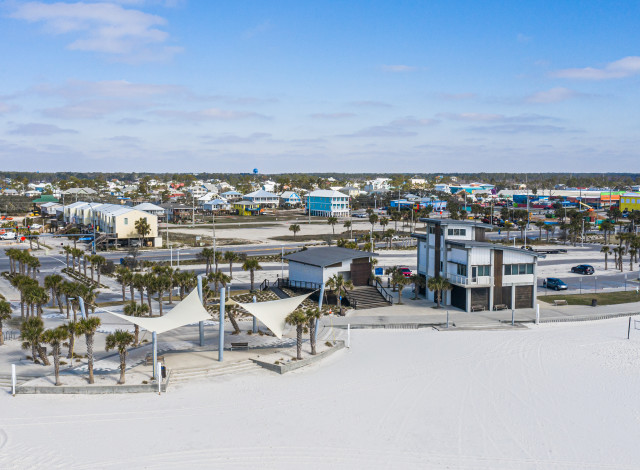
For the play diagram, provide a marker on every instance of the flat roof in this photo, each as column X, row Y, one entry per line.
column 473, row 243
column 326, row 255
column 455, row 222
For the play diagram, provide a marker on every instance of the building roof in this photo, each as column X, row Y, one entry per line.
column 327, row 193
column 231, row 193
column 473, row 243
column 147, row 206
column 262, row 193
column 80, row 191
column 445, row 222
column 245, row 203
column 45, row 198
column 289, row 194
column 326, row 255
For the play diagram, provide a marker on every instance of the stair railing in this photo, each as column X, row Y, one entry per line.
column 353, row 302
column 388, row 297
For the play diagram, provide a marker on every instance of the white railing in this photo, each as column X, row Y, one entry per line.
column 469, row 281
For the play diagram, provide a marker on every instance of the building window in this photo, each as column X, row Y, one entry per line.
column 126, row 221
column 457, row 231
column 432, row 229
column 461, row 269
column 484, row 270
column 517, row 269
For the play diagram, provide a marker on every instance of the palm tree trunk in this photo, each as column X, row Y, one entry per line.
column 231, row 270
column 149, row 303
column 234, row 323
column 56, row 363
column 89, row 339
column 98, row 272
column 123, row 365
column 43, row 356
column 132, row 292
column 160, row 302
column 72, row 343
column 312, row 336
column 251, row 273
column 299, row 342
column 34, row 354
column 136, row 334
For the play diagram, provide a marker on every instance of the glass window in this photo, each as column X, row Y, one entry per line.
column 507, row 269
column 450, row 231
column 529, row 268
column 523, row 268
column 126, row 221
column 463, row 231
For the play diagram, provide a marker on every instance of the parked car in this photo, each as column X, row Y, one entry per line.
column 583, row 269
column 406, row 272
column 554, row 283
column 8, row 236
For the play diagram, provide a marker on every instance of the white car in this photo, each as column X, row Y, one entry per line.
column 8, row 236
column 35, row 226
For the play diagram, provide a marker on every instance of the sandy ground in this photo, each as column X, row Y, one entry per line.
column 554, row 396
column 254, row 232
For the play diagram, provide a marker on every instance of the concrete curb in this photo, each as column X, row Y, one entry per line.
column 95, row 389
column 288, row 367
column 604, row 316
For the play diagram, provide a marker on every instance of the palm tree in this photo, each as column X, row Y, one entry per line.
column 313, row 315
column 508, row 226
column 607, row 227
column 55, row 337
column 162, row 284
column 120, row 340
column 632, row 253
column 522, row 224
column 384, row 221
column 540, row 224
column 187, row 281
column 332, row 221
column 134, row 310
column 138, row 282
column 142, row 228
column 388, row 235
column 123, row 275
column 217, row 258
column 295, row 228
column 72, row 332
column 437, row 285
column 207, row 255
column 31, row 332
column 300, row 321
column 5, row 314
column 218, row 278
column 349, row 226
column 549, row 228
column 150, row 286
column 251, row 265
column 396, row 217
column 230, row 257
column 67, row 250
column 605, row 249
column 88, row 327
column 337, row 283
column 21, row 282
column 54, row 283
column 401, row 281
column 418, row 281
column 98, row 261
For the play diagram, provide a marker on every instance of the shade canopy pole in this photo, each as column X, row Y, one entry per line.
column 201, row 323
column 221, row 322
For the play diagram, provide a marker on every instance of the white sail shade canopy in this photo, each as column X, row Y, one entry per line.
column 273, row 313
column 190, row 310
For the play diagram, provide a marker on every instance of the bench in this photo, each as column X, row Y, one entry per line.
column 500, row 307
column 477, row 308
column 148, row 359
column 559, row 302
column 244, row 346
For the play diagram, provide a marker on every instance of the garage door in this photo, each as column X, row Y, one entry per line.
column 459, row 297
column 480, row 297
column 524, row 296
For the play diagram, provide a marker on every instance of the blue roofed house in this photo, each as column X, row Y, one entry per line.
column 328, row 203
column 290, row 199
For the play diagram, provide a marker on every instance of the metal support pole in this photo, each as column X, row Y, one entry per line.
column 595, row 284
column 83, row 312
column 348, row 335
column 221, row 322
column 319, row 308
column 537, row 314
column 628, row 336
column 625, row 283
column 156, row 372
column 159, row 367
column 447, row 318
column 13, row 374
column 513, row 317
column 201, row 323
column 282, row 263
column 255, row 320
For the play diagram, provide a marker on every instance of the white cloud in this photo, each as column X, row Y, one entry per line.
column 370, row 104
column 212, row 114
column 332, row 115
column 625, row 67
column 39, row 129
column 410, row 121
column 471, row 116
column 399, row 68
column 108, row 89
column 102, row 27
column 554, row 95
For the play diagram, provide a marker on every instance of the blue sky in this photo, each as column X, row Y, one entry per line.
column 377, row 86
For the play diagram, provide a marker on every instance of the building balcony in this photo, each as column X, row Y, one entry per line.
column 478, row 281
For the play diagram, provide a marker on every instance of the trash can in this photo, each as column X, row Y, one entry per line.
column 163, row 372
column 594, row 302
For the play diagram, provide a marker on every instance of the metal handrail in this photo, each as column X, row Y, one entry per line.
column 353, row 302
column 264, row 285
column 388, row 297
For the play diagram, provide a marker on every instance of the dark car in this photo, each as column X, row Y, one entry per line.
column 583, row 269
column 554, row 283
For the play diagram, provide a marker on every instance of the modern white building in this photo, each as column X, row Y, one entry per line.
column 328, row 203
column 314, row 266
column 484, row 275
column 264, row 198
